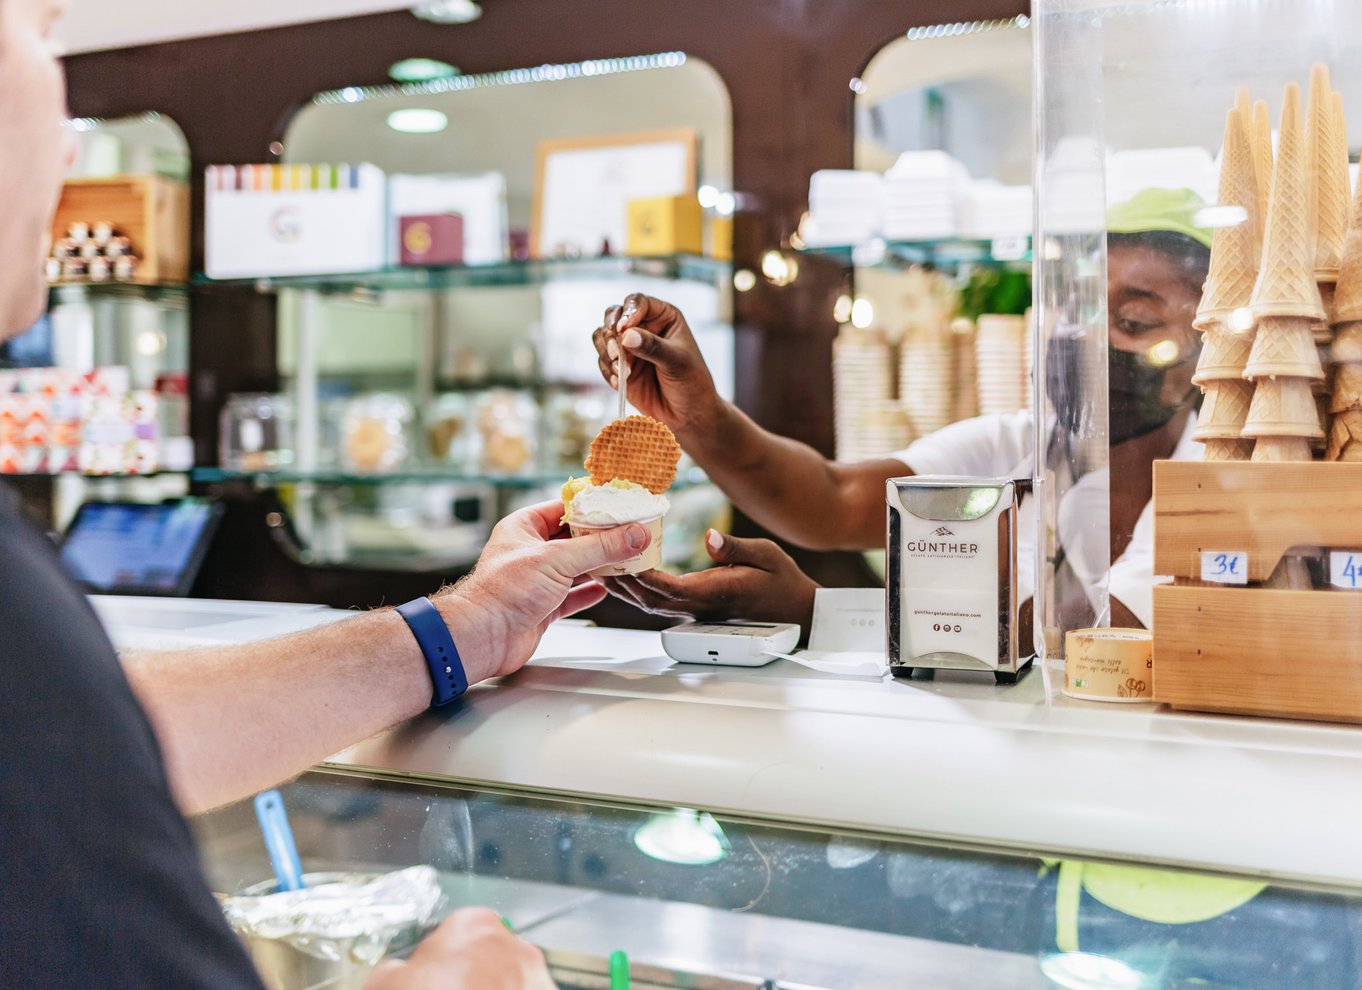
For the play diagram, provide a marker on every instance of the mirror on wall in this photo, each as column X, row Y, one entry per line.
column 88, row 323
column 966, row 94
column 479, row 374
column 938, row 216
column 483, row 133
column 146, row 143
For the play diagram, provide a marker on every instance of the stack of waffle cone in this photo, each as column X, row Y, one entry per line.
column 1283, row 363
column 1345, row 352
column 1347, row 301
column 1235, row 252
column 1286, row 273
column 1261, row 133
column 1327, row 166
column 1328, row 172
column 1345, row 406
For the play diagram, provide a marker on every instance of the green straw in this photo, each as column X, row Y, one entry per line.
column 619, row 970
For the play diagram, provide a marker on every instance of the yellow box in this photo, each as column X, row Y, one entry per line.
column 720, row 246
column 665, row 225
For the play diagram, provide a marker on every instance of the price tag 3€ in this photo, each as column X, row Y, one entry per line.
column 1224, row 566
column 1345, row 569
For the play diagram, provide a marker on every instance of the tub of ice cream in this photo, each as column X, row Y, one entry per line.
column 331, row 934
column 589, row 508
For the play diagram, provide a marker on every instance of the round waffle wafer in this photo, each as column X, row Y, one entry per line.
column 637, row 449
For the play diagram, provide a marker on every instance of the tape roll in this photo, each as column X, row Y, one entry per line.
column 1109, row 664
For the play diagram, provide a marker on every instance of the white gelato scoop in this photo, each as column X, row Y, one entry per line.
column 611, row 504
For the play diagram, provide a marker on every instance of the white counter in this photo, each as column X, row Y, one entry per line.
column 603, row 713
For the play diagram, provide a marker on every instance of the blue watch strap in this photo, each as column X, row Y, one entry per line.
column 442, row 656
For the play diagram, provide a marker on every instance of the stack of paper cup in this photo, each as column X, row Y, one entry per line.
column 923, row 193
column 1001, row 343
column 845, row 207
column 885, row 429
column 966, row 371
column 927, row 378
column 862, row 383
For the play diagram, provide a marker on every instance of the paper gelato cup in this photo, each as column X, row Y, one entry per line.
column 650, row 557
column 1109, row 664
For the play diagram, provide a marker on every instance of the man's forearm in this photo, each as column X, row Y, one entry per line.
column 235, row 720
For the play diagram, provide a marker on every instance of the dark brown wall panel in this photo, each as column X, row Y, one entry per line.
column 787, row 65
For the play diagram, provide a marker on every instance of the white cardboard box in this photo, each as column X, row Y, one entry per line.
column 255, row 233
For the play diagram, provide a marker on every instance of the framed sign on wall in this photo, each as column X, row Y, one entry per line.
column 583, row 186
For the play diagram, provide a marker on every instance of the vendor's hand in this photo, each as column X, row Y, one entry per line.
column 529, row 574
column 760, row 583
column 470, row 950
column 668, row 379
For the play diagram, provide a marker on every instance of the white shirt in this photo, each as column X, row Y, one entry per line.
column 1000, row 446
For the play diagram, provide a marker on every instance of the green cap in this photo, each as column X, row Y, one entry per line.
column 1173, row 210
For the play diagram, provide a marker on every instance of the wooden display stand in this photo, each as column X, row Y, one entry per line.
column 1255, row 650
column 150, row 210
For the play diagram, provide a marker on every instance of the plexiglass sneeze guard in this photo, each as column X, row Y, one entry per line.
column 1201, row 350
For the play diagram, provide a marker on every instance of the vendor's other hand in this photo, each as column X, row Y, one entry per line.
column 668, row 379
column 759, row 582
column 529, row 574
column 470, row 950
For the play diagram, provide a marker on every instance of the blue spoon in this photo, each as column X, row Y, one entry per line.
column 269, row 809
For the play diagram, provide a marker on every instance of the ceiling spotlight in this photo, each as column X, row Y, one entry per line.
column 448, row 11
column 413, row 70
column 417, row 120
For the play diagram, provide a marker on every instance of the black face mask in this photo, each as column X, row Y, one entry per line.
column 1135, row 405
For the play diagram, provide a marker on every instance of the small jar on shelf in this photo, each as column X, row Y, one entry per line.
column 572, row 418
column 375, row 433
column 449, row 431
column 507, row 423
column 255, row 432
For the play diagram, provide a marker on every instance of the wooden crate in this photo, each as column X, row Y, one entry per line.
column 1254, row 650
column 150, row 210
column 1259, row 651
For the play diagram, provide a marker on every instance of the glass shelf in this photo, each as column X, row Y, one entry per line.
column 942, row 253
column 414, row 476
column 6, row 475
column 134, row 290
column 533, row 272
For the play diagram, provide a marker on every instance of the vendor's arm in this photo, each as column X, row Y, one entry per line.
column 786, row 486
column 235, row 720
column 756, row 580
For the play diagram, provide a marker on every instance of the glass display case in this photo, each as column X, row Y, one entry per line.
column 1195, row 276
column 701, row 900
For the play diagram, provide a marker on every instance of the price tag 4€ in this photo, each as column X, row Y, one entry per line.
column 1345, row 569
column 1224, row 566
